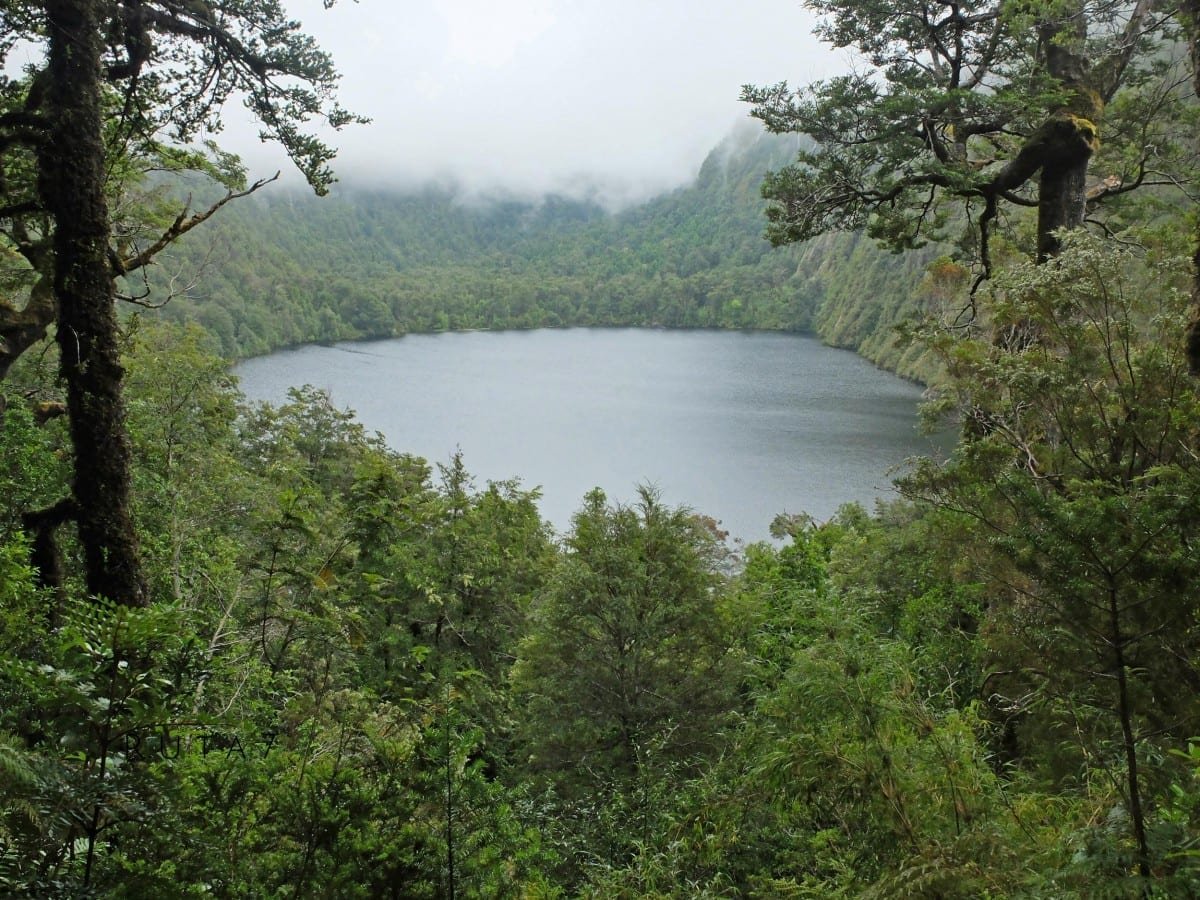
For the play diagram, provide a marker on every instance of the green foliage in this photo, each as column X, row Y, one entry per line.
column 31, row 466
column 629, row 652
column 847, row 777
column 246, row 735
column 626, row 676
column 99, row 697
column 1078, row 484
column 181, row 413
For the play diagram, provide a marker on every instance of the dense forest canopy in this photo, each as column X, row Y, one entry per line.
column 297, row 662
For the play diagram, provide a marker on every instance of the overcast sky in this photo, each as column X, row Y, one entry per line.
column 549, row 94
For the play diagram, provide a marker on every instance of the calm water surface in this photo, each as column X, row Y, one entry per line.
column 739, row 426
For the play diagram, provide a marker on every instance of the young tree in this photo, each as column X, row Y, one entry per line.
column 985, row 103
column 122, row 82
column 628, row 647
column 628, row 671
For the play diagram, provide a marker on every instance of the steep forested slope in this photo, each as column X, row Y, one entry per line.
column 281, row 268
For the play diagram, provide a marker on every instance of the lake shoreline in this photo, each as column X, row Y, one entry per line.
column 366, row 339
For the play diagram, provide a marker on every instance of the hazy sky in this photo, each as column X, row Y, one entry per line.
column 548, row 94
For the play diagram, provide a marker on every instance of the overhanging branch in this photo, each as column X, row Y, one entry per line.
column 182, row 225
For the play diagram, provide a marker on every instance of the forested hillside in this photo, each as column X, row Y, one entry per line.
column 280, row 268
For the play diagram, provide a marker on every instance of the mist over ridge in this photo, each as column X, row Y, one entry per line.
column 616, row 101
column 607, row 192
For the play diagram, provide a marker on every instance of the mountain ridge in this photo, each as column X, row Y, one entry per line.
column 281, row 268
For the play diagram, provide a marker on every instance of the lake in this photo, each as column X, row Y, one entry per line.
column 739, row 426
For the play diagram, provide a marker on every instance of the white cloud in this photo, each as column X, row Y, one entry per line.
column 488, row 34
column 531, row 95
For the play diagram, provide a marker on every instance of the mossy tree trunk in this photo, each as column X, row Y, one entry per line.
column 71, row 184
column 1070, row 135
column 1189, row 14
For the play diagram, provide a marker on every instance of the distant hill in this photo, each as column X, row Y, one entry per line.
column 281, row 268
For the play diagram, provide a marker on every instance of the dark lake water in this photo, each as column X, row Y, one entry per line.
column 739, row 426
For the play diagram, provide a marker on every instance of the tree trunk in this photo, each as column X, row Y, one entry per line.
column 1070, row 136
column 1062, row 198
column 1189, row 13
column 71, row 182
column 1133, row 790
column 1192, row 338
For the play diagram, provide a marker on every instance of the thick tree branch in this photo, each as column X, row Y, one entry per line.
column 45, row 555
column 15, row 210
column 23, row 137
column 20, row 329
column 1110, row 71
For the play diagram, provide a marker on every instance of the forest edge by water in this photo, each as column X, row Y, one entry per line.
column 274, row 269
